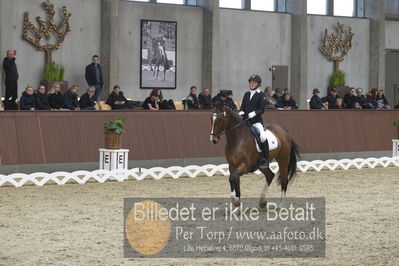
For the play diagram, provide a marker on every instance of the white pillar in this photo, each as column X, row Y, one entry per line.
column 395, row 148
column 111, row 159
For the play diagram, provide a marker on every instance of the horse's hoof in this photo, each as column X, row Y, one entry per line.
column 237, row 203
column 262, row 204
column 236, row 210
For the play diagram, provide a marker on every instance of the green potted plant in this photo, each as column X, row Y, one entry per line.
column 113, row 131
column 54, row 73
column 338, row 81
column 396, row 123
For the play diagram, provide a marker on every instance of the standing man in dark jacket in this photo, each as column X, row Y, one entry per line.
column 252, row 108
column 11, row 80
column 94, row 76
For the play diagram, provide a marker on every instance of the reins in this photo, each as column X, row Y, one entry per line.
column 227, row 130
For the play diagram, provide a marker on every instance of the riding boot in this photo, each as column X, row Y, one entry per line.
column 264, row 160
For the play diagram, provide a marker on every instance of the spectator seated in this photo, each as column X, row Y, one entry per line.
column 27, row 101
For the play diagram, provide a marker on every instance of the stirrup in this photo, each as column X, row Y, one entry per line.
column 263, row 164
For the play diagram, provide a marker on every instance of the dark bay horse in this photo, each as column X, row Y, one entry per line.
column 159, row 57
column 242, row 155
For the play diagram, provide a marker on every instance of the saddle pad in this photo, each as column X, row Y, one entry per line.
column 271, row 138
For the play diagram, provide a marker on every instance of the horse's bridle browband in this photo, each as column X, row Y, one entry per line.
column 227, row 130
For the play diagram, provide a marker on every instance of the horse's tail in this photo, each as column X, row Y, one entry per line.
column 294, row 154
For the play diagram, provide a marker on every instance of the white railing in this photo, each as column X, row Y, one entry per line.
column 81, row 177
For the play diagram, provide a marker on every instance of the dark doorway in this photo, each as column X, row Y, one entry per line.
column 279, row 77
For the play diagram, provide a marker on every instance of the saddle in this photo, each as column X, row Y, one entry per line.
column 261, row 137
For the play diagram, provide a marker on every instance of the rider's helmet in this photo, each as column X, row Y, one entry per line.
column 255, row 77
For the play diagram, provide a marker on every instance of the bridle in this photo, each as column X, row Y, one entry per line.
column 223, row 131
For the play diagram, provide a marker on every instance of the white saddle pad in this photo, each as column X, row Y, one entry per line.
column 271, row 138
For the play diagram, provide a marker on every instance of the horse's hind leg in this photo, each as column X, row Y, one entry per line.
column 283, row 177
column 269, row 175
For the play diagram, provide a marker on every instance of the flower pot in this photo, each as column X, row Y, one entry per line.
column 112, row 140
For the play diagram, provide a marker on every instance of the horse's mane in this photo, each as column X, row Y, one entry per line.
column 233, row 114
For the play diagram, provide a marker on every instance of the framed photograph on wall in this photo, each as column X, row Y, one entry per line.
column 158, row 54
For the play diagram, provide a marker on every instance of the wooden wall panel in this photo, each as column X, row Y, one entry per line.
column 75, row 136
column 8, row 140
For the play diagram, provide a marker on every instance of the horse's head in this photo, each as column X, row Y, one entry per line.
column 218, row 121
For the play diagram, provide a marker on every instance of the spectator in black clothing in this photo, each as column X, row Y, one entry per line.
column 27, row 101
column 397, row 106
column 192, row 99
column 315, row 101
column 117, row 100
column 229, row 100
column 87, row 101
column 11, row 80
column 55, row 98
column 71, row 98
column 361, row 99
column 382, row 102
column 338, row 104
column 220, row 97
column 163, row 103
column 151, row 102
column 277, row 96
column 331, row 98
column 41, row 99
column 287, row 102
column 205, row 99
column 94, row 76
column 350, row 98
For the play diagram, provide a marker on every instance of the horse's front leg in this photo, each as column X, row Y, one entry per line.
column 235, row 194
column 269, row 175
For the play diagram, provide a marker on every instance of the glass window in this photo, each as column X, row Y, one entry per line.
column 231, row 4
column 344, row 8
column 265, row 5
column 177, row 2
column 317, row 7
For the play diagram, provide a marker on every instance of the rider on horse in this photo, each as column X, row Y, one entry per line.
column 252, row 108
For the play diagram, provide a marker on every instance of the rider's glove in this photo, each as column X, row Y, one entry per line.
column 241, row 113
column 252, row 114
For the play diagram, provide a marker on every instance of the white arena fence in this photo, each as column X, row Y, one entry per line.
column 81, row 177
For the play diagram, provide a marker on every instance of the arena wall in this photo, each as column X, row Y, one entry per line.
column 66, row 137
